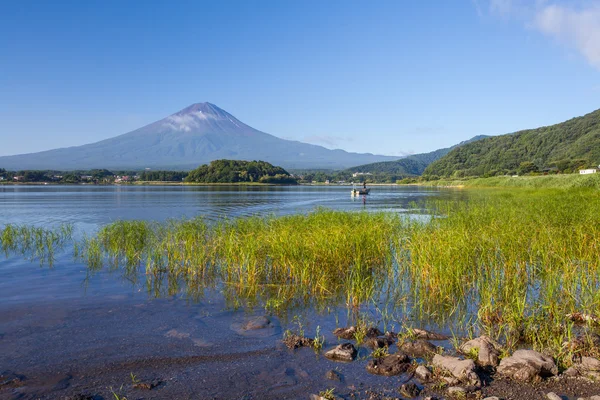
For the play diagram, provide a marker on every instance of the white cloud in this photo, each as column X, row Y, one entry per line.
column 577, row 28
column 326, row 140
column 501, row 7
column 576, row 24
column 187, row 122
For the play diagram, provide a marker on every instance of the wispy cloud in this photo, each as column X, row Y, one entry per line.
column 575, row 24
column 577, row 28
column 326, row 140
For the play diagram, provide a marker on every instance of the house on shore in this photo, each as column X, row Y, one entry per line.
column 587, row 171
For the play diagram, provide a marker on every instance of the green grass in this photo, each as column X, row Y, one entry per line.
column 34, row 243
column 562, row 181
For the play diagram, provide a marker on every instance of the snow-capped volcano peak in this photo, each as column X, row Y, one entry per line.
column 197, row 115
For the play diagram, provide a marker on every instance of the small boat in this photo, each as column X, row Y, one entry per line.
column 358, row 192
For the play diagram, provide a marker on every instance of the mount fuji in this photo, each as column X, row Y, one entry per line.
column 193, row 136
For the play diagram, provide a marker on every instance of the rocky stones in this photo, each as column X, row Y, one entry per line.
column 334, row 376
column 293, row 341
column 378, row 342
column 588, row 367
column 427, row 335
column 463, row 370
column 342, row 352
column 345, row 333
column 423, row 373
column 417, row 348
column 389, row 365
column 146, row 385
column 527, row 365
column 488, row 350
column 350, row 333
column 410, row 390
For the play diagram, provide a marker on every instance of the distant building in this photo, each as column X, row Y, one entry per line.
column 588, row 171
column 1, row 178
column 354, row 175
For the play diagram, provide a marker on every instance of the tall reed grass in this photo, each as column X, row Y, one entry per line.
column 512, row 264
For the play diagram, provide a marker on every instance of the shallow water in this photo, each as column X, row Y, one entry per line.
column 68, row 332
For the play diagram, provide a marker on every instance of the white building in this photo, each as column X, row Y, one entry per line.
column 587, row 171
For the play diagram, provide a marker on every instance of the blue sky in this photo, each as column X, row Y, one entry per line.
column 387, row 77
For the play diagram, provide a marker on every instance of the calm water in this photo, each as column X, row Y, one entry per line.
column 69, row 333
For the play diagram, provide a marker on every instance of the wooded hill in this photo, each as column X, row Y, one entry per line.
column 234, row 171
column 563, row 147
column 413, row 165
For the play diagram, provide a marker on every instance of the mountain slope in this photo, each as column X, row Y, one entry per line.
column 411, row 165
column 195, row 135
column 573, row 143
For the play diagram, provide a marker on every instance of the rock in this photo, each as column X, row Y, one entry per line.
column 571, row 371
column 350, row 332
column 588, row 366
column 488, row 350
column 527, row 365
column 145, row 385
column 342, row 352
column 345, row 333
column 260, row 326
column 10, row 379
column 319, row 397
column 423, row 373
column 553, row 396
column 457, row 391
column 334, row 376
column 80, row 396
column 409, row 390
column 427, row 335
column 378, row 342
column 450, row 380
column 463, row 370
column 294, row 341
column 260, row 322
column 594, row 397
column 492, row 398
column 418, row 348
column 390, row 365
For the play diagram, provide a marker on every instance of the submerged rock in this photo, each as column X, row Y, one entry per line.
column 418, row 348
column 294, row 341
column 342, row 352
column 389, row 365
column 428, row 335
column 410, row 390
column 334, row 376
column 527, row 365
column 488, row 350
column 259, row 326
column 463, row 370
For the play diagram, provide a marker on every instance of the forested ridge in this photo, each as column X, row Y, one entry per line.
column 563, row 147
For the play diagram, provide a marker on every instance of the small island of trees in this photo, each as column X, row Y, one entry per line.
column 235, row 171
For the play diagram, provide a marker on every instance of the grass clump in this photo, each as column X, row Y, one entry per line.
column 34, row 243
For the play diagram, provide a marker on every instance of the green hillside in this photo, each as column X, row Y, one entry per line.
column 409, row 166
column 234, row 171
column 564, row 147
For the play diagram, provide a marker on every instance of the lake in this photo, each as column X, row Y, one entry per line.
column 64, row 332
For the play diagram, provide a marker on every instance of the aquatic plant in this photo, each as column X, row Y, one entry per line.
column 34, row 243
